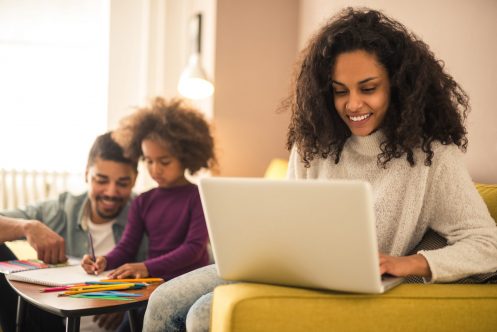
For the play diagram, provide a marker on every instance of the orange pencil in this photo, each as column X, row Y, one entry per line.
column 98, row 289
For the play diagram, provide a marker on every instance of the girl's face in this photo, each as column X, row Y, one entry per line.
column 163, row 167
column 361, row 91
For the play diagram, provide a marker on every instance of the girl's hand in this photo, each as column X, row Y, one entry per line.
column 134, row 270
column 92, row 267
column 414, row 265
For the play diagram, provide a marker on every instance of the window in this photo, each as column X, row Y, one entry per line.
column 53, row 82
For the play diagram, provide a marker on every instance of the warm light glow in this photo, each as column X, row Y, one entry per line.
column 195, row 88
column 193, row 82
column 277, row 169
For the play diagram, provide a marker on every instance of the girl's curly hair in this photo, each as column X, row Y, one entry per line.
column 426, row 104
column 181, row 128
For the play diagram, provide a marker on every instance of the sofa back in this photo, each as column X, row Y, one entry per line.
column 489, row 194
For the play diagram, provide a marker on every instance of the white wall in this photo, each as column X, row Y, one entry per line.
column 149, row 47
column 128, row 57
column 463, row 34
column 52, row 72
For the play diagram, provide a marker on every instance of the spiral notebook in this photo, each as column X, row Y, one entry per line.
column 19, row 265
column 57, row 276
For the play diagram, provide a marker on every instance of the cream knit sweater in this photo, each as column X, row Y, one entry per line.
column 408, row 200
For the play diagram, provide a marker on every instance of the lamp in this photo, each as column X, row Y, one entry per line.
column 193, row 82
column 277, row 169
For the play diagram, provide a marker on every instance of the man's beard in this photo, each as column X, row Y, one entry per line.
column 108, row 216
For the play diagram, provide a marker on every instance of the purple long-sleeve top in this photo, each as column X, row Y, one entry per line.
column 174, row 222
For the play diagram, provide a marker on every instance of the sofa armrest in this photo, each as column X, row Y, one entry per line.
column 408, row 307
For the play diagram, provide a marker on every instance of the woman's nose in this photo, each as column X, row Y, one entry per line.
column 354, row 104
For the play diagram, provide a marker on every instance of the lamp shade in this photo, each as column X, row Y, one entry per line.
column 193, row 82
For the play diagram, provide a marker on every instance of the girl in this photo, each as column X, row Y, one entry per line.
column 371, row 102
column 171, row 139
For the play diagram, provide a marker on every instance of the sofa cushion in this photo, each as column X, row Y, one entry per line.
column 260, row 308
column 489, row 194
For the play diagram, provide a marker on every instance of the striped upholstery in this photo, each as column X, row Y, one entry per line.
column 431, row 241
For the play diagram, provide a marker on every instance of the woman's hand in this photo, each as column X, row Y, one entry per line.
column 414, row 265
column 134, row 270
column 92, row 267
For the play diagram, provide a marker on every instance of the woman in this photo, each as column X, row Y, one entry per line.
column 372, row 102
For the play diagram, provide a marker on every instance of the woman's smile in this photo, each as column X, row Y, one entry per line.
column 361, row 91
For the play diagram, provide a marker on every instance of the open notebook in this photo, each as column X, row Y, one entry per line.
column 57, row 276
column 14, row 266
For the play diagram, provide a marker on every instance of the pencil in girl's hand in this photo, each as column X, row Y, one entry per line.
column 91, row 248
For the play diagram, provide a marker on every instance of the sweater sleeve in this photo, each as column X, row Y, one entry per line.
column 193, row 248
column 127, row 248
column 457, row 212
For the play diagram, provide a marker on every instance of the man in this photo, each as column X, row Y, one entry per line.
column 57, row 228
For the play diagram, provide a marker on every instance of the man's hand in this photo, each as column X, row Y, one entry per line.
column 414, row 265
column 49, row 245
column 134, row 270
column 109, row 321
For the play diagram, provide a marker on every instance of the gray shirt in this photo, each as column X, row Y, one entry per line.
column 64, row 216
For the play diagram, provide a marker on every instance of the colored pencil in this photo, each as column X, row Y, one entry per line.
column 147, row 280
column 60, row 288
column 99, row 289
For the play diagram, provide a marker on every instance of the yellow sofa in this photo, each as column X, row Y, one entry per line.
column 408, row 307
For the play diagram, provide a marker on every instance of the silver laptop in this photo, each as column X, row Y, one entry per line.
column 305, row 233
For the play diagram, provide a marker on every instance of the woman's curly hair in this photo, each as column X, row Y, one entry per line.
column 181, row 128
column 426, row 104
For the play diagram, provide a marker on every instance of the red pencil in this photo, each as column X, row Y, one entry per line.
column 60, row 288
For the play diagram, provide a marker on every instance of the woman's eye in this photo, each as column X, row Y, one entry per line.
column 339, row 92
column 368, row 90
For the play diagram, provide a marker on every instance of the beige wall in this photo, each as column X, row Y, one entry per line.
column 463, row 34
column 249, row 50
column 256, row 46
